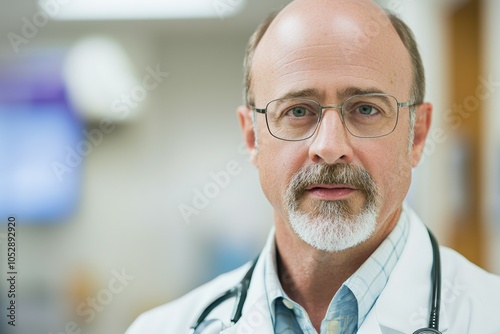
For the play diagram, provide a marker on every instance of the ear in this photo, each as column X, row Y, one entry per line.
column 422, row 126
column 246, row 124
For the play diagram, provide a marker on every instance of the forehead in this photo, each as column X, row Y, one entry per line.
column 330, row 49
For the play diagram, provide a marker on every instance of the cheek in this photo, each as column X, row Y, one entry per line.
column 390, row 166
column 396, row 178
column 278, row 161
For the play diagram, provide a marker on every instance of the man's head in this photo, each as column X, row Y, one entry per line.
column 334, row 183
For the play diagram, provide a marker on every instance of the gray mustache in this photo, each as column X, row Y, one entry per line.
column 351, row 175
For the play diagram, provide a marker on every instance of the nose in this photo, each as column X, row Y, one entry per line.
column 331, row 143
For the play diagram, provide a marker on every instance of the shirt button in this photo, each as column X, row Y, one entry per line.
column 288, row 304
column 333, row 327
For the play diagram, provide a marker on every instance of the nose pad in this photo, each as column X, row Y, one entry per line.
column 331, row 143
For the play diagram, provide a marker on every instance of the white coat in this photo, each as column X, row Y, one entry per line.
column 470, row 298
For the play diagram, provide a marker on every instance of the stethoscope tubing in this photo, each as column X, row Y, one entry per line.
column 240, row 291
column 436, row 284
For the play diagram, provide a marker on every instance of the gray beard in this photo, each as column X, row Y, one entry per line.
column 331, row 231
column 332, row 226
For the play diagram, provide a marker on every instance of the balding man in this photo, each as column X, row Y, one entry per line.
column 335, row 122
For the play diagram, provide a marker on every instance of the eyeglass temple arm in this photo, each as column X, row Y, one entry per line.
column 407, row 104
column 260, row 111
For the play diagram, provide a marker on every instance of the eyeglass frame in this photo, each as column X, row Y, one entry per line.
column 340, row 107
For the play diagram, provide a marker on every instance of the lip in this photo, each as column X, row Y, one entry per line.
column 331, row 192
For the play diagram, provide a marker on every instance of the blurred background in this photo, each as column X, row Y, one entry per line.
column 122, row 161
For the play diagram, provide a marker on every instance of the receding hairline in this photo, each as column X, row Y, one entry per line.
column 417, row 90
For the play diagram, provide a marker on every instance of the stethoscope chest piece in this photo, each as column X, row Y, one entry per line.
column 212, row 326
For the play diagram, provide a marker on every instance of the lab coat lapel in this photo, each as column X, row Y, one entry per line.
column 370, row 325
column 256, row 318
column 403, row 306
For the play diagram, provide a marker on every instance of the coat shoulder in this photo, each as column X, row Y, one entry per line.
column 470, row 293
column 457, row 268
column 178, row 315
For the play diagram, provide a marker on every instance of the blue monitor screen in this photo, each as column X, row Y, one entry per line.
column 37, row 130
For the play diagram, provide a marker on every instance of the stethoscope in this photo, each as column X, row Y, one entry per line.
column 240, row 292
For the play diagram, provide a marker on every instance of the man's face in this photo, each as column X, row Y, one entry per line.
column 325, row 52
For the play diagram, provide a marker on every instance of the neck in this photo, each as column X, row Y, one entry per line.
column 311, row 277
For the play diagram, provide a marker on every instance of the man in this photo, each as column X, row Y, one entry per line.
column 335, row 122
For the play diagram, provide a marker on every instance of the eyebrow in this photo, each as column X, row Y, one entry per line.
column 342, row 94
column 307, row 93
column 352, row 90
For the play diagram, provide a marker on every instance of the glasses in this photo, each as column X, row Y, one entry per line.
column 365, row 116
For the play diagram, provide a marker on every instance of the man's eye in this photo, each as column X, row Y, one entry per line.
column 297, row 112
column 367, row 110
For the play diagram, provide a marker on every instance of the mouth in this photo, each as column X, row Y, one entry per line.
column 331, row 192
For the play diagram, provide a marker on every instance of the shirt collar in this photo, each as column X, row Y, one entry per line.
column 272, row 284
column 370, row 279
column 366, row 283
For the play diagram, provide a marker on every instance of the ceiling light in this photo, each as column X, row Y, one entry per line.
column 139, row 9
